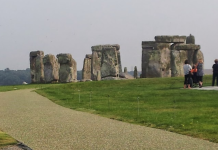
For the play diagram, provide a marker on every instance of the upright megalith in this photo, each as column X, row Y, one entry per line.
column 68, row 68
column 190, row 39
column 155, row 59
column 96, row 61
column 165, row 56
column 135, row 72
column 101, row 62
column 51, row 68
column 37, row 67
column 86, row 71
column 109, row 62
column 125, row 69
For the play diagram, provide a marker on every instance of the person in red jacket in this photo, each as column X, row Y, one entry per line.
column 194, row 75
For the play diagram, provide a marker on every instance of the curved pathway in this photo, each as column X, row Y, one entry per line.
column 41, row 124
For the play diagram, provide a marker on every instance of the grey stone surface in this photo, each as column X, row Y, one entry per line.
column 100, row 62
column 135, row 72
column 98, row 75
column 170, row 39
column 190, row 39
column 68, row 68
column 186, row 47
column 109, row 63
column 155, row 61
column 165, row 60
column 37, row 67
column 51, row 68
column 125, row 69
column 86, row 71
column 95, row 63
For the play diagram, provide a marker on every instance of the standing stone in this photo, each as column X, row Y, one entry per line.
column 178, row 58
column 96, row 61
column 51, row 68
column 135, row 72
column 86, row 71
column 98, row 75
column 190, row 39
column 68, row 68
column 155, row 59
column 125, row 69
column 117, row 46
column 37, row 67
column 180, row 53
column 109, row 63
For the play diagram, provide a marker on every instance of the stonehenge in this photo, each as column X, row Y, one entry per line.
column 105, row 62
column 48, row 68
column 165, row 56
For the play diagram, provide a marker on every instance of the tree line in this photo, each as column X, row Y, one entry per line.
column 17, row 77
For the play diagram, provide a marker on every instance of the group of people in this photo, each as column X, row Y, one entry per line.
column 195, row 74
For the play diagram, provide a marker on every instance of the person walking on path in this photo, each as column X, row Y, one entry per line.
column 187, row 68
column 200, row 72
column 215, row 72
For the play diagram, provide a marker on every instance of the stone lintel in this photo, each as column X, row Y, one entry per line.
column 108, row 48
column 36, row 53
column 64, row 58
column 170, row 39
column 100, row 47
column 152, row 45
column 186, row 47
column 89, row 56
column 117, row 46
column 48, row 58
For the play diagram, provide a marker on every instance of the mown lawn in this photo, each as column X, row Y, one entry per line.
column 154, row 102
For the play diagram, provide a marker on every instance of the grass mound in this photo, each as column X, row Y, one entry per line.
column 6, row 139
column 153, row 102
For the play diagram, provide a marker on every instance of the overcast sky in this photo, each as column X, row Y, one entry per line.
column 73, row 26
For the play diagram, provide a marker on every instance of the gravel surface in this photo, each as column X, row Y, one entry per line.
column 42, row 125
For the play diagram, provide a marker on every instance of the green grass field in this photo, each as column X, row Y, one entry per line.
column 6, row 139
column 153, row 102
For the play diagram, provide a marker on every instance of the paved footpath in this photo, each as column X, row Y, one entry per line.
column 43, row 125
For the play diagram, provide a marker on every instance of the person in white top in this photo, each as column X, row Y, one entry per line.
column 187, row 68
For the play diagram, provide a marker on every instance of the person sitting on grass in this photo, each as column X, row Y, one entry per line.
column 215, row 72
column 187, row 68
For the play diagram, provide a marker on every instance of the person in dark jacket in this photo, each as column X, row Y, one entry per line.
column 200, row 72
column 215, row 72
